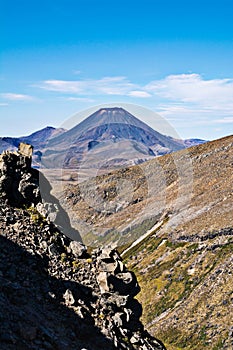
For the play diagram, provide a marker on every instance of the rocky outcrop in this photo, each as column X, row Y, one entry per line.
column 19, row 183
column 54, row 292
column 22, row 185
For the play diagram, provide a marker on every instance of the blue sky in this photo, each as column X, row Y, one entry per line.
column 61, row 57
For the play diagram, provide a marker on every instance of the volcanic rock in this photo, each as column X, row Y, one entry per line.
column 50, row 291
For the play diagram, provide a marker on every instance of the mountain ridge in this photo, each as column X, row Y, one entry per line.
column 59, row 148
column 38, row 138
column 105, row 127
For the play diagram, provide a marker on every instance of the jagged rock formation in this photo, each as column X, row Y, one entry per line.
column 54, row 293
column 19, row 183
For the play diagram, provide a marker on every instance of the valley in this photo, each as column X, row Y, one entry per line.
column 176, row 237
column 193, row 188
column 168, row 211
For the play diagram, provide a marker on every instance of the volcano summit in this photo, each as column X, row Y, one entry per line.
column 109, row 137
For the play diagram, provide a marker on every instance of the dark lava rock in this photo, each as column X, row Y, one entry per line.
column 53, row 295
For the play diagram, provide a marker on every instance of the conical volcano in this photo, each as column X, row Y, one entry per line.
column 112, row 136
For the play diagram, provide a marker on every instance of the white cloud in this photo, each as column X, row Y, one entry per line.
column 186, row 99
column 139, row 93
column 16, row 97
column 80, row 99
column 61, row 86
column 225, row 120
column 192, row 88
column 190, row 100
column 107, row 85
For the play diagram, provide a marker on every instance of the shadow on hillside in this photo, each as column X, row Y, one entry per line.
column 32, row 316
column 60, row 217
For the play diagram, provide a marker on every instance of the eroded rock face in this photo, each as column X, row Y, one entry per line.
column 19, row 183
column 59, row 296
column 25, row 149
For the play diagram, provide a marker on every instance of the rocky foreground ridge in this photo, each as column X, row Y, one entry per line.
column 54, row 294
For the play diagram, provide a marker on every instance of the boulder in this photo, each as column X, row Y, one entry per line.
column 102, row 279
column 124, row 283
column 112, row 274
column 78, row 249
column 25, row 149
column 69, row 299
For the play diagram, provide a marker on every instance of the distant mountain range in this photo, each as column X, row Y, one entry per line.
column 110, row 137
column 38, row 139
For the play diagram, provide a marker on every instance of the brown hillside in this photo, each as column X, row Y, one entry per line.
column 193, row 187
column 185, row 266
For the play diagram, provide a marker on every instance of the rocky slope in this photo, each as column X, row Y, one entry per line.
column 184, row 265
column 191, row 190
column 55, row 294
column 186, row 288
